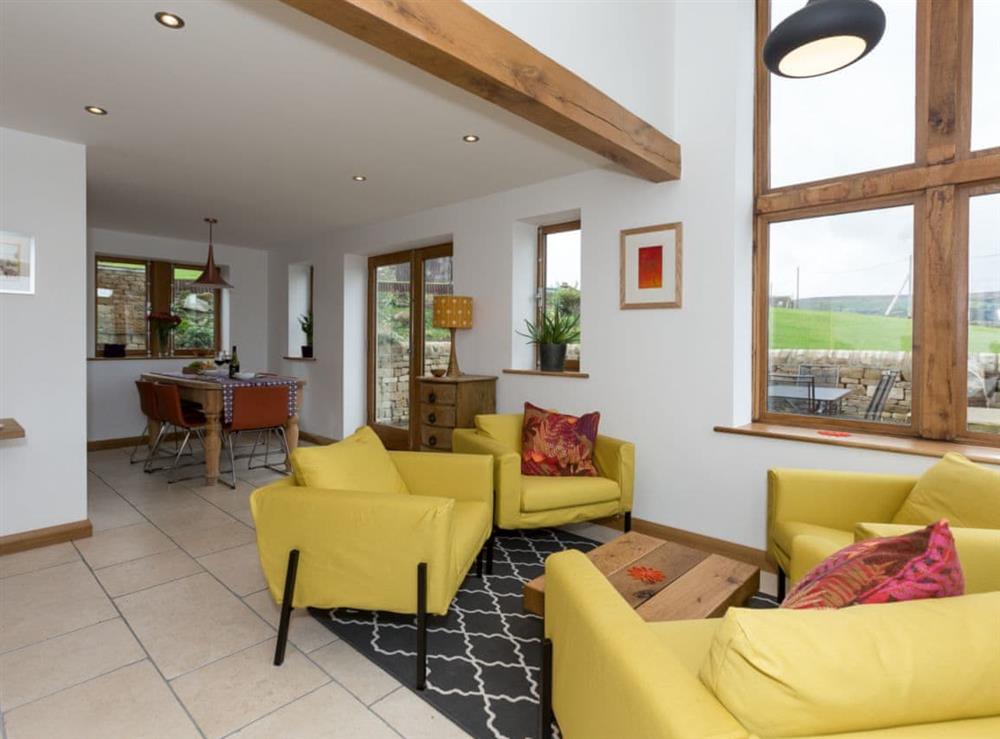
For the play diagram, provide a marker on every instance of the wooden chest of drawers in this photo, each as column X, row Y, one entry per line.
column 448, row 403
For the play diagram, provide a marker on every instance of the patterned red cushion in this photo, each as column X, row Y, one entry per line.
column 921, row 564
column 557, row 445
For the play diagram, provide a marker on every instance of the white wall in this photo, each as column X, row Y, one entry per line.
column 43, row 477
column 661, row 378
column 112, row 403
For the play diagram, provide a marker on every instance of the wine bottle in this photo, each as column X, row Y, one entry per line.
column 234, row 363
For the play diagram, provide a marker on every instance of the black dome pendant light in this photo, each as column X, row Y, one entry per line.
column 824, row 36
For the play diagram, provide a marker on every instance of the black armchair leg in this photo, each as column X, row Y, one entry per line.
column 286, row 606
column 489, row 552
column 545, row 699
column 421, row 626
column 479, row 564
column 628, row 521
column 781, row 585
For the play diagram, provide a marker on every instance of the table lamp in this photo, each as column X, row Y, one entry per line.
column 452, row 311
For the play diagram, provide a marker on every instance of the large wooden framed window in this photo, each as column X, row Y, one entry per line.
column 558, row 278
column 129, row 289
column 876, row 247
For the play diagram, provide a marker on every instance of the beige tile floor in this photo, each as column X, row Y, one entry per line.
column 159, row 626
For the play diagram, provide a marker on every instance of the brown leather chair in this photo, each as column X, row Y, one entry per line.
column 147, row 404
column 171, row 411
column 260, row 409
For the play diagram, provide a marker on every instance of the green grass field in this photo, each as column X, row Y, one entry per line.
column 811, row 329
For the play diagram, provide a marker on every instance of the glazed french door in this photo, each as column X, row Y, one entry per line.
column 402, row 342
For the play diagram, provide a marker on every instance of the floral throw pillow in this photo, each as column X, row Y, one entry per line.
column 921, row 564
column 557, row 445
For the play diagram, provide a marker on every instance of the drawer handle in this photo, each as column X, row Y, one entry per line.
column 432, row 418
column 432, row 441
column 432, row 398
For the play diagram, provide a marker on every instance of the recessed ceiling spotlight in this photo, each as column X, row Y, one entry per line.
column 359, row 178
column 95, row 110
column 470, row 138
column 169, row 20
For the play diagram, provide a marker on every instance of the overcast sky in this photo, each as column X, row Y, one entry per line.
column 862, row 118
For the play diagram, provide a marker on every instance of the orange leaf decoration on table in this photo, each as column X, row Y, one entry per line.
column 648, row 575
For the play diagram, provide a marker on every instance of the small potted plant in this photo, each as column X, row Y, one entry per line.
column 306, row 324
column 163, row 323
column 551, row 335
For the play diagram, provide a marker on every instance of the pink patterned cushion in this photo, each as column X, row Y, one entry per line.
column 557, row 445
column 921, row 564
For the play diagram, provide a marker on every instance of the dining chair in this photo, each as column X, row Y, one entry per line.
column 260, row 409
column 824, row 375
column 171, row 411
column 876, row 406
column 147, row 404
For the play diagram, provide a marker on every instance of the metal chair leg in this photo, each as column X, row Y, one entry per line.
column 155, row 450
column 171, row 476
column 489, row 551
column 286, row 607
column 421, row 626
column 144, row 436
column 232, row 458
column 545, row 699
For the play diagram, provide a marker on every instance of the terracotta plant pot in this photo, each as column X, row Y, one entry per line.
column 552, row 357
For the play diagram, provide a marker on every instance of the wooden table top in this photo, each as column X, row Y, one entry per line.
column 663, row 580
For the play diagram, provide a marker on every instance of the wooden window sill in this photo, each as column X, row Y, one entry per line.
column 300, row 359
column 578, row 375
column 877, row 442
column 11, row 429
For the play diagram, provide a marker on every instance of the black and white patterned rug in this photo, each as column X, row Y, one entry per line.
column 484, row 657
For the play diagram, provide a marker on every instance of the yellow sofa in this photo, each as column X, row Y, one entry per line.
column 912, row 670
column 528, row 502
column 405, row 551
column 813, row 513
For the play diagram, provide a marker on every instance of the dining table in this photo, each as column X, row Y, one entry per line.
column 214, row 393
column 823, row 397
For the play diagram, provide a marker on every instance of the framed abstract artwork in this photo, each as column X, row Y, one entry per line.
column 651, row 267
column 17, row 263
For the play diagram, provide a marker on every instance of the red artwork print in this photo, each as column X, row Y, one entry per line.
column 648, row 575
column 650, row 267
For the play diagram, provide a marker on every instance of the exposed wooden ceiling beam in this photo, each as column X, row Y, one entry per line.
column 454, row 42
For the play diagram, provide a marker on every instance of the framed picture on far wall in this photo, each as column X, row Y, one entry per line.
column 651, row 267
column 17, row 263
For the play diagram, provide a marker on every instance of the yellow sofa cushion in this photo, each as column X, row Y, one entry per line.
column 549, row 493
column 793, row 673
column 785, row 531
column 503, row 427
column 965, row 493
column 688, row 641
column 978, row 551
column 359, row 462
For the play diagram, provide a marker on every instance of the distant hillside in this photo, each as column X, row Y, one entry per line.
column 985, row 306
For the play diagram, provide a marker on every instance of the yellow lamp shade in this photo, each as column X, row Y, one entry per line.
column 452, row 311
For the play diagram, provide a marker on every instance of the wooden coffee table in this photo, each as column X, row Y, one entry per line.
column 694, row 584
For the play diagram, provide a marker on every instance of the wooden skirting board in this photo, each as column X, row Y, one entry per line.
column 45, row 537
column 739, row 552
column 316, row 438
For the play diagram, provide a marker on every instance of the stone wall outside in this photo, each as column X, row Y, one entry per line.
column 392, row 377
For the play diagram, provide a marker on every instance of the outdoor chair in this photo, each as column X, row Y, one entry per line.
column 876, row 406
column 824, row 375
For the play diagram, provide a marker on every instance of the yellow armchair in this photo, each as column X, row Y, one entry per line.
column 389, row 551
column 525, row 502
column 813, row 513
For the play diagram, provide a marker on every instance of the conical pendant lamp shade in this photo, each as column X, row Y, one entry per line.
column 211, row 278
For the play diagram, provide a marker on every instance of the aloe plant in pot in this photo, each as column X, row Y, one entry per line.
column 306, row 324
column 551, row 334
